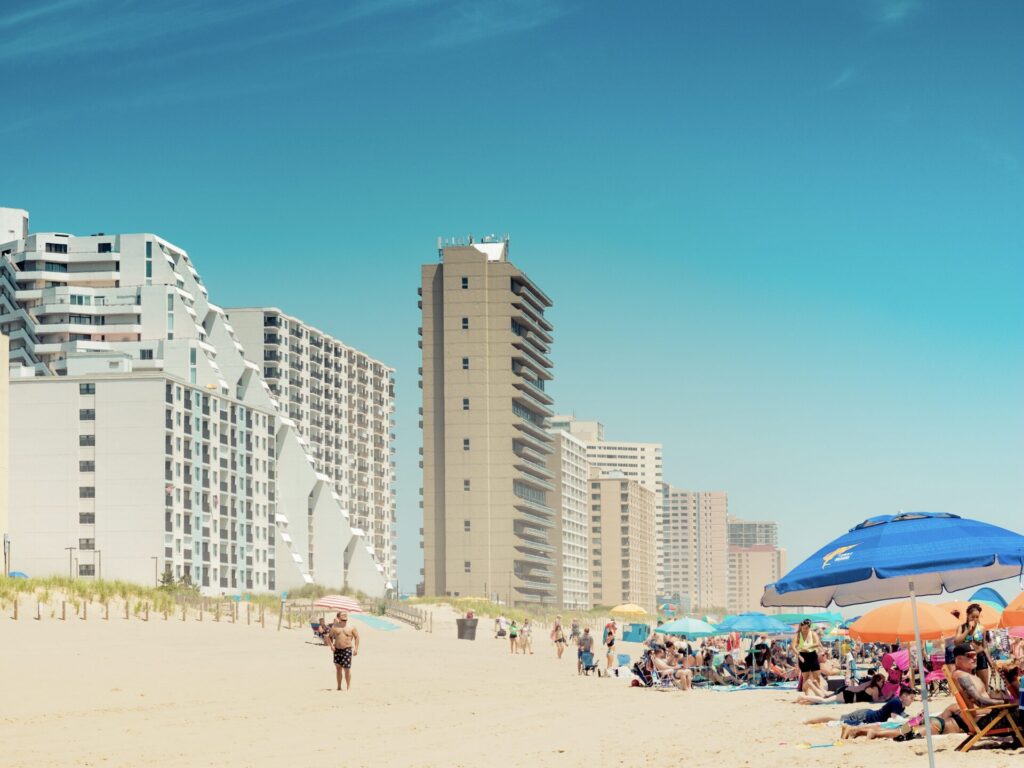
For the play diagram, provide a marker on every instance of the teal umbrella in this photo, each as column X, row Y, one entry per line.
column 689, row 627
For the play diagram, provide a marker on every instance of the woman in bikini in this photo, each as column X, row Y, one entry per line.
column 972, row 632
column 558, row 636
column 808, row 645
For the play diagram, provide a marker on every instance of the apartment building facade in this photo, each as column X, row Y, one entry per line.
column 489, row 524
column 571, row 470
column 695, row 547
column 750, row 570
column 128, row 316
column 753, row 533
column 342, row 403
column 622, row 541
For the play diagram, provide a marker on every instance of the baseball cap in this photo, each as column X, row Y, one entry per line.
column 962, row 650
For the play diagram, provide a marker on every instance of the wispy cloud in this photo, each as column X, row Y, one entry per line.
column 842, row 80
column 896, row 11
column 465, row 23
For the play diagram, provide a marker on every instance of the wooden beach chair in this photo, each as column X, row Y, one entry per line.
column 999, row 722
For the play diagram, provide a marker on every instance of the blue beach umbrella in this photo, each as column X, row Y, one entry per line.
column 904, row 555
column 689, row 627
column 17, row 575
column 988, row 595
column 754, row 623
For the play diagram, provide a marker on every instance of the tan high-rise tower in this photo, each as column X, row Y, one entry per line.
column 488, row 524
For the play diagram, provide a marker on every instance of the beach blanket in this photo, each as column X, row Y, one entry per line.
column 376, row 622
column 787, row 686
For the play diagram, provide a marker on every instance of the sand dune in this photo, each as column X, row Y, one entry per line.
column 130, row 693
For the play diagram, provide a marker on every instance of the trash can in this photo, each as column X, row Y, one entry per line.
column 467, row 628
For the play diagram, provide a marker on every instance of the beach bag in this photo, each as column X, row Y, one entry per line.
column 501, row 633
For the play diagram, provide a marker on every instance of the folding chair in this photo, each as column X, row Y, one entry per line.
column 999, row 721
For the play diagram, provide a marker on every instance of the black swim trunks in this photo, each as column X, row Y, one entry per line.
column 343, row 657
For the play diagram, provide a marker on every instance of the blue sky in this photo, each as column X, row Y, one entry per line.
column 784, row 239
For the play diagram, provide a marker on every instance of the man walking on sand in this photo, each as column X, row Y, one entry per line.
column 344, row 641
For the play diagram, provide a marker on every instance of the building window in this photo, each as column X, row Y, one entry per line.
column 86, row 414
column 465, row 282
column 466, row 566
column 465, row 485
column 465, row 443
column 465, row 403
column 87, row 466
column 87, row 518
column 465, row 526
column 87, row 543
column 103, row 248
column 146, row 354
column 86, row 492
column 56, row 247
column 87, row 389
column 465, row 363
column 86, row 570
column 465, row 323
column 87, row 439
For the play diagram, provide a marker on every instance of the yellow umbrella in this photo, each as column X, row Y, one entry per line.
column 628, row 610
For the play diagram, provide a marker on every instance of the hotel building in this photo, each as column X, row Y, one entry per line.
column 750, row 570
column 341, row 402
column 490, row 525
column 622, row 542
column 695, row 547
column 571, row 470
column 142, row 440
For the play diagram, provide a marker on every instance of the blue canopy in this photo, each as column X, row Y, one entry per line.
column 989, row 595
column 18, row 575
column 940, row 551
column 754, row 623
column 689, row 627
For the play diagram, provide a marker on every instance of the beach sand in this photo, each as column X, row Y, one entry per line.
column 172, row 693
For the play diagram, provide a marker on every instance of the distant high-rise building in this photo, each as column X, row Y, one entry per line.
column 750, row 570
column 695, row 550
column 753, row 533
column 568, row 463
column 489, row 524
column 639, row 461
column 621, row 542
column 341, row 402
column 4, row 477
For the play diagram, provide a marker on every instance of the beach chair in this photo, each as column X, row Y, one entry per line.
column 895, row 665
column 589, row 663
column 937, row 675
column 998, row 720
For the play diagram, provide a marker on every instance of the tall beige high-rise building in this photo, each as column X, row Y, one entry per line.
column 639, row 461
column 752, row 533
column 489, row 524
column 750, row 569
column 571, row 477
column 622, row 542
column 695, row 547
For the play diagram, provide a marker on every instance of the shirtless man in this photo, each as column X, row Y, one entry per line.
column 965, row 657
column 344, row 641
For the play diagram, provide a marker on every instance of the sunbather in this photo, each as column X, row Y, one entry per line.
column 680, row 676
column 894, row 706
column 946, row 722
column 726, row 673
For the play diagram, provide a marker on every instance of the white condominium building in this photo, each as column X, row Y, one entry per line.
column 568, row 463
column 341, row 401
column 695, row 545
column 637, row 461
column 142, row 439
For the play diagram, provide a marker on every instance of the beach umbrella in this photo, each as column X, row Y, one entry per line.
column 689, row 627
column 904, row 555
column 628, row 611
column 338, row 603
column 988, row 595
column 1013, row 614
column 989, row 614
column 17, row 575
column 846, row 624
column 754, row 623
column 895, row 622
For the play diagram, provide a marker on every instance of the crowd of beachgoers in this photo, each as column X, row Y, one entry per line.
column 979, row 668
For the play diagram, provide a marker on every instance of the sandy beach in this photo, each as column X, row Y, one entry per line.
column 172, row 693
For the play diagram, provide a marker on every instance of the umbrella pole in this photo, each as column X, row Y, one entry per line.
column 920, row 670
